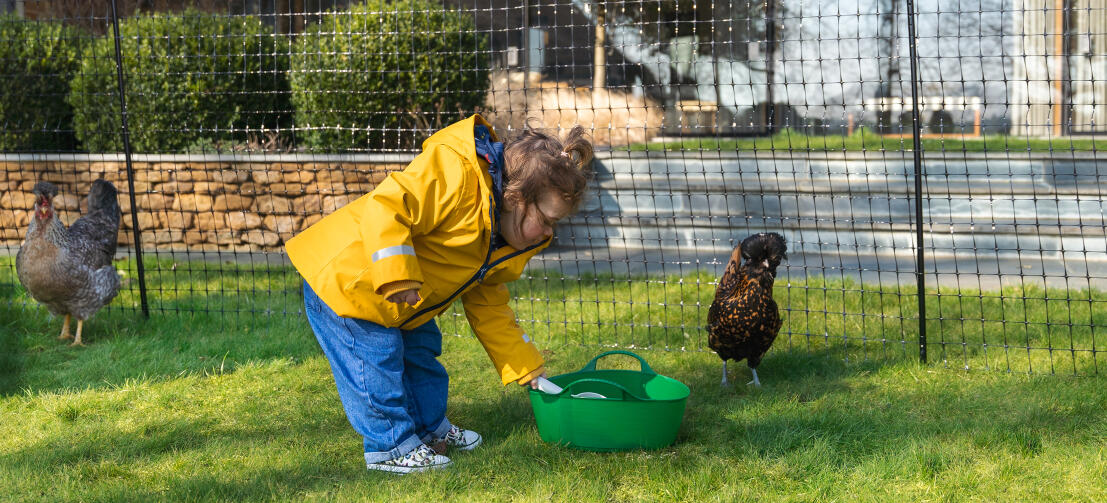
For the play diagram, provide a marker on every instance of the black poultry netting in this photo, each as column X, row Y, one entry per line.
column 948, row 147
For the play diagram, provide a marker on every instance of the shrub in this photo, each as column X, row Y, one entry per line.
column 941, row 122
column 37, row 60
column 364, row 79
column 189, row 78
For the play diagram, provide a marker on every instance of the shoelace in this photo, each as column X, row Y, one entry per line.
column 421, row 454
column 454, row 435
column 418, row 456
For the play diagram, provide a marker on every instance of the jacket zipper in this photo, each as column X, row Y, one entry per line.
column 479, row 276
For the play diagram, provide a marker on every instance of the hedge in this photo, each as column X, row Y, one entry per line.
column 368, row 77
column 190, row 78
column 37, row 61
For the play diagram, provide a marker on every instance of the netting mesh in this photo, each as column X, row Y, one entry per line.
column 713, row 120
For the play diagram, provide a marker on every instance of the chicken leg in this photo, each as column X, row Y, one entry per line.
column 725, row 383
column 81, row 324
column 755, row 381
column 65, row 329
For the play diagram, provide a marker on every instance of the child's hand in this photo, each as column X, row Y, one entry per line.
column 411, row 297
column 533, row 383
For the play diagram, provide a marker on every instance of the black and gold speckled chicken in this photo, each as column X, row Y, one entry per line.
column 743, row 319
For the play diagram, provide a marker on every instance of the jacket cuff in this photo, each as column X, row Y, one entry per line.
column 388, row 289
column 525, row 361
column 530, row 377
column 395, row 268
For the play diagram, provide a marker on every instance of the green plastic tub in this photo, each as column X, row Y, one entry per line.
column 640, row 409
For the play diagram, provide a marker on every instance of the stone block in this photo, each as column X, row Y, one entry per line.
column 177, row 219
column 69, row 202
column 164, row 236
column 147, row 202
column 175, row 187
column 301, row 176
column 228, row 175
column 104, row 169
column 240, row 221
column 17, row 200
column 14, row 219
column 308, row 205
column 232, row 202
column 214, row 188
column 286, row 189
column 246, row 189
column 193, row 202
column 152, row 173
column 310, row 220
column 332, row 203
column 211, row 221
column 11, row 233
column 261, row 237
column 273, row 205
column 220, row 237
column 327, row 188
column 284, row 225
column 146, row 220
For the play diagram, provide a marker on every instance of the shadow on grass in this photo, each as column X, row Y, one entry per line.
column 92, row 458
column 121, row 344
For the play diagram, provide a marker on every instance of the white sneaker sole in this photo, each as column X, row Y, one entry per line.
column 406, row 469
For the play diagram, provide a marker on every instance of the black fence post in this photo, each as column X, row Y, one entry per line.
column 130, row 170
column 920, row 272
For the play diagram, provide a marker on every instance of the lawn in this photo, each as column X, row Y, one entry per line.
column 865, row 140
column 237, row 404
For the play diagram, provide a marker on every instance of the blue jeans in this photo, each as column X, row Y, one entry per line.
column 390, row 381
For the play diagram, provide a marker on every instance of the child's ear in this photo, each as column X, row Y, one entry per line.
column 512, row 202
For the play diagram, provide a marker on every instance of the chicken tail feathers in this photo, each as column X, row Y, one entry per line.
column 103, row 196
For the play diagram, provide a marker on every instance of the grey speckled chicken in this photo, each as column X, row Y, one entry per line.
column 69, row 270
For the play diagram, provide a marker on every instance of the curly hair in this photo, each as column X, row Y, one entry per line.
column 537, row 162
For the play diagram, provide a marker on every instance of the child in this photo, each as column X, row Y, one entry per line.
column 459, row 222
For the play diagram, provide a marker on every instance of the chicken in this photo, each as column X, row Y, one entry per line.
column 69, row 270
column 743, row 319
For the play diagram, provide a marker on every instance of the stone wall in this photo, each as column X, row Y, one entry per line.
column 239, row 203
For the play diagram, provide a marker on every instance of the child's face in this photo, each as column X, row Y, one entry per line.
column 527, row 226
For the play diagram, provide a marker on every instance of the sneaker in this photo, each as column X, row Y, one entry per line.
column 422, row 458
column 461, row 439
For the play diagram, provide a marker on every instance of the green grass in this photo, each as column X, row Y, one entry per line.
column 239, row 405
column 865, row 140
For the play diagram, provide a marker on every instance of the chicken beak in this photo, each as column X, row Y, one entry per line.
column 765, row 263
column 42, row 209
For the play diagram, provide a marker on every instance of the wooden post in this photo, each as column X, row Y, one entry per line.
column 599, row 66
column 1059, row 59
column 297, row 16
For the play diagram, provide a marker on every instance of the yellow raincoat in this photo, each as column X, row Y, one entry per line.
column 431, row 223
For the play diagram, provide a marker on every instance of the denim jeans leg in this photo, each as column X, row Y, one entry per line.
column 425, row 380
column 367, row 362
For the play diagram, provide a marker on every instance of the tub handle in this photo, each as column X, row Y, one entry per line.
column 568, row 389
column 591, row 366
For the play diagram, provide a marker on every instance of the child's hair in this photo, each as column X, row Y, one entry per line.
column 537, row 162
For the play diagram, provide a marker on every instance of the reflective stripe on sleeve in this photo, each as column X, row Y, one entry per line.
column 393, row 250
